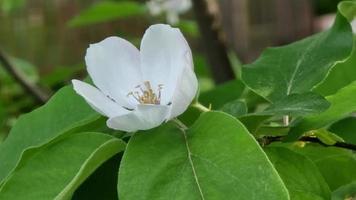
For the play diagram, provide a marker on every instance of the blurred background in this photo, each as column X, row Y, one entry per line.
column 43, row 42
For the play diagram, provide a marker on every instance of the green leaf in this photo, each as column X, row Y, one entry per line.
column 226, row 92
column 345, row 192
column 56, row 170
column 335, row 164
column 253, row 123
column 102, row 184
column 61, row 114
column 214, row 159
column 327, row 137
column 297, row 105
column 340, row 76
column 298, row 67
column 107, row 11
column 346, row 129
column 299, row 174
column 342, row 104
column 235, row 108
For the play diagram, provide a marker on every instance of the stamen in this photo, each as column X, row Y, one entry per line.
column 146, row 95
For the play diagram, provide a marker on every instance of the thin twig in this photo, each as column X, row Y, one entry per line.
column 215, row 49
column 32, row 89
column 270, row 139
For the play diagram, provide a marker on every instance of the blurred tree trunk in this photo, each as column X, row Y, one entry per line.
column 252, row 25
column 214, row 47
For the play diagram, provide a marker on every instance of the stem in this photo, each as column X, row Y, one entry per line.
column 269, row 139
column 200, row 107
column 32, row 89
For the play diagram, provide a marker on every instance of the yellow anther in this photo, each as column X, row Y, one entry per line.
column 146, row 95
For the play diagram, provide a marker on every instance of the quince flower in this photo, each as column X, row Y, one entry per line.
column 172, row 8
column 139, row 90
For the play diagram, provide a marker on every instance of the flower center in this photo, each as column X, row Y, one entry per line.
column 145, row 94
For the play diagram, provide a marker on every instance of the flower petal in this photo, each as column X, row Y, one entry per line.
column 114, row 66
column 97, row 100
column 184, row 93
column 164, row 52
column 144, row 118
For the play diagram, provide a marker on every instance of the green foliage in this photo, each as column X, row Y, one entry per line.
column 297, row 105
column 346, row 129
column 235, row 150
column 216, row 158
column 107, row 11
column 62, row 114
column 336, row 165
column 301, row 176
column 342, row 104
column 73, row 159
column 345, row 192
column 340, row 76
column 298, row 67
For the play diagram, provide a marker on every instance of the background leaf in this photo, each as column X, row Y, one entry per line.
column 342, row 104
column 345, row 192
column 297, row 105
column 300, row 175
column 346, row 129
column 335, row 164
column 228, row 163
column 106, row 11
column 298, row 67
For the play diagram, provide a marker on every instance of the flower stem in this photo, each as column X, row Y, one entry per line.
column 200, row 107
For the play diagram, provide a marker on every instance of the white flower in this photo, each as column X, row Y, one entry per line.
column 172, row 8
column 139, row 90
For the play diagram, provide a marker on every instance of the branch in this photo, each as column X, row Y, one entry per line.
column 269, row 139
column 32, row 89
column 215, row 48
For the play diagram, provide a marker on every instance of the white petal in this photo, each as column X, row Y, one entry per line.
column 97, row 100
column 144, row 118
column 114, row 66
column 164, row 52
column 184, row 93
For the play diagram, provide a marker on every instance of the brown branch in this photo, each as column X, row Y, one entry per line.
column 32, row 89
column 215, row 49
column 270, row 139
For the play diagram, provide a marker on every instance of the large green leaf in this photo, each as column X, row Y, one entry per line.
column 65, row 111
column 214, row 159
column 340, row 76
column 298, row 67
column 335, row 164
column 57, row 169
column 297, row 105
column 107, row 11
column 342, row 104
column 300, row 175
